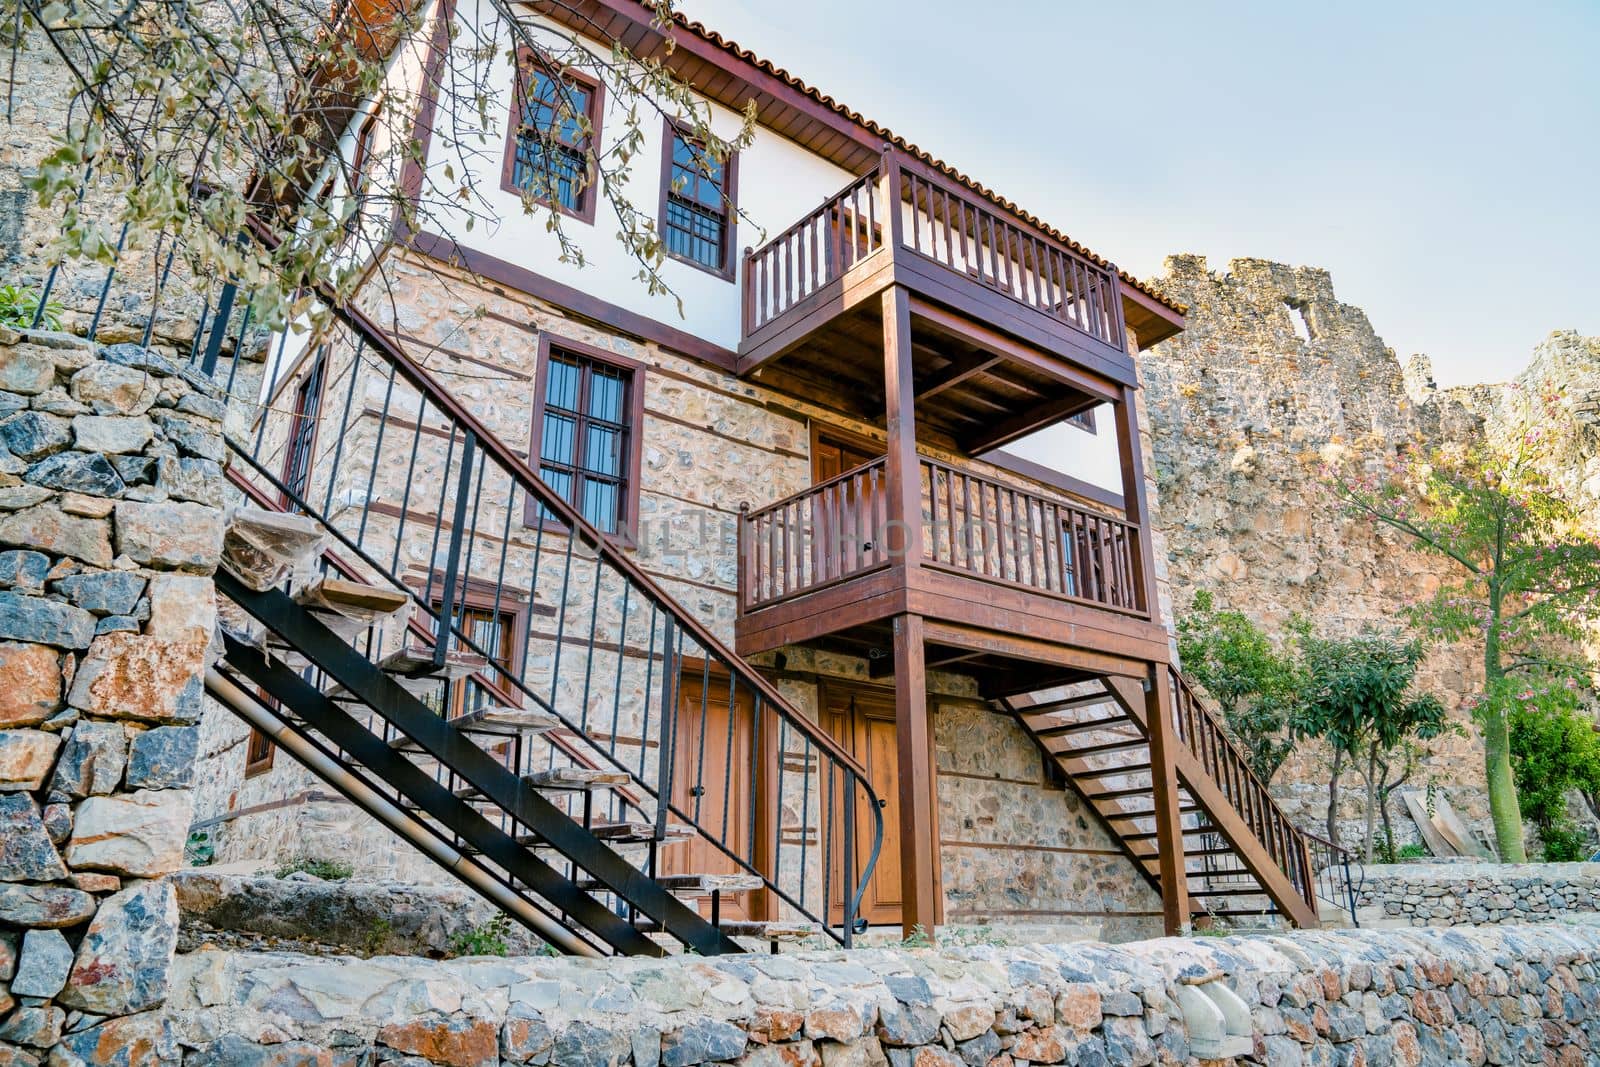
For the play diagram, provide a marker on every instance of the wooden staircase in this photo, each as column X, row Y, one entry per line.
column 1243, row 860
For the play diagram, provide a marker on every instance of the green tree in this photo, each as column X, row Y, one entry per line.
column 1358, row 696
column 1527, row 571
column 1554, row 750
column 1254, row 683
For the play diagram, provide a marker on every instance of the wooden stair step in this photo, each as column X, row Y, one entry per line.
column 1121, row 745
column 1067, row 729
column 694, row 885
column 350, row 599
column 761, row 929
column 1151, row 835
column 1050, row 707
column 1118, row 794
column 1148, row 813
column 493, row 721
column 1105, row 772
column 416, row 662
column 577, row 778
column 621, row 833
column 262, row 548
column 1240, row 892
column 1221, row 850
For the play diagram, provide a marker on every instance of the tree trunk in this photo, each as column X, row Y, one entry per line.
column 1372, row 797
column 1503, row 806
column 1333, row 796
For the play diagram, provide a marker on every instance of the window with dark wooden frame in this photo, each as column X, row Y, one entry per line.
column 257, row 753
column 698, row 198
column 498, row 631
column 302, row 437
column 588, row 406
column 555, row 119
column 360, row 161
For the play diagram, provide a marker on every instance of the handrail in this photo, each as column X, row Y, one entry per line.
column 1210, row 743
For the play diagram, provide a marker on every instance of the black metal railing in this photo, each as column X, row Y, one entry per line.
column 1334, row 881
column 542, row 611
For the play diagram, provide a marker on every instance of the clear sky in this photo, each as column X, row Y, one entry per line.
column 1441, row 159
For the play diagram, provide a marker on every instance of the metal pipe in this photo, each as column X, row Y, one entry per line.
column 227, row 692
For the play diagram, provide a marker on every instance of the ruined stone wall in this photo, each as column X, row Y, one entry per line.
column 1501, row 995
column 1272, row 378
column 111, row 529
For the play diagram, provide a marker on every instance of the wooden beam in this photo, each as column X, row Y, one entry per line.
column 961, row 369
column 981, row 335
column 1130, row 455
column 1025, row 422
column 919, row 883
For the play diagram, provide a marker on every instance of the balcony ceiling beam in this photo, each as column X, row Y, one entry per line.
column 1023, row 423
column 987, row 338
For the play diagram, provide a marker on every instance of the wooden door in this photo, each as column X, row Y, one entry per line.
column 862, row 721
column 711, row 783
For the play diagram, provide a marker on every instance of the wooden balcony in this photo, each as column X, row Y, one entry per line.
column 1009, row 329
column 990, row 556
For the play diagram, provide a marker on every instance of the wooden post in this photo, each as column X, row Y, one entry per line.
column 1164, row 784
column 1130, row 454
column 919, row 885
column 902, row 467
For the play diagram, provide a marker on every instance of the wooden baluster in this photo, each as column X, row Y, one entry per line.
column 949, row 241
column 961, row 226
column 916, row 215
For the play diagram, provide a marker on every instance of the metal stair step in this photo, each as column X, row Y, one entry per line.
column 694, row 885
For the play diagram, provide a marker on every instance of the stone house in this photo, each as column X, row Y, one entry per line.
column 846, row 585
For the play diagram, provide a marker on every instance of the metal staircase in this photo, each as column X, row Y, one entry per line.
column 597, row 776
column 1243, row 859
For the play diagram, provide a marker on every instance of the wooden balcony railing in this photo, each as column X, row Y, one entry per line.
column 971, row 525
column 826, row 534
column 939, row 221
column 1004, row 533
column 1203, row 735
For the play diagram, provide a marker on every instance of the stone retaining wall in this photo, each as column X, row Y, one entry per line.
column 1453, row 894
column 1496, row 995
column 110, row 528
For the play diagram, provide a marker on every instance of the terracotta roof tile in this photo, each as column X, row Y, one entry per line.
column 733, row 48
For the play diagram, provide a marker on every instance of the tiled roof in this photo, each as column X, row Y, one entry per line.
column 734, row 49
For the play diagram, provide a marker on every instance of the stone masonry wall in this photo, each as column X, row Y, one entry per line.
column 1272, row 378
column 1501, row 995
column 110, row 527
column 1455, row 894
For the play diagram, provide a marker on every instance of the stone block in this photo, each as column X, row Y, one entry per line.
column 140, row 833
column 49, row 529
column 451, row 1040
column 77, row 472
column 57, row 817
column 136, row 676
column 40, row 621
column 191, row 478
column 44, row 906
column 583, row 1044
column 702, row 1041
column 43, row 964
column 124, row 963
column 907, row 1024
column 110, row 389
column 164, row 757
column 17, row 497
column 231, row 1050
column 26, row 757
column 143, row 1040
column 170, row 536
column 30, row 683
column 524, row 1036
column 112, row 434
column 182, row 607
column 26, row 369
column 23, row 570
column 93, row 760
column 37, row 1026
column 194, row 435
column 103, row 592
column 33, row 435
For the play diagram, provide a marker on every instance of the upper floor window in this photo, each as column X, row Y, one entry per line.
column 588, row 405
column 697, row 204
column 554, row 122
column 303, row 433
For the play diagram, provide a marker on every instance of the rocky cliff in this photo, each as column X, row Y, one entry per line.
column 1273, row 378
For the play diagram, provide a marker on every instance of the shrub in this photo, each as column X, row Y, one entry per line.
column 327, row 870
column 18, row 306
column 489, row 939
